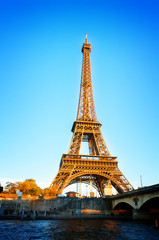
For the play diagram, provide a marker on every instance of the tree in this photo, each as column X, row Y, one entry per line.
column 11, row 187
column 48, row 192
column 29, row 186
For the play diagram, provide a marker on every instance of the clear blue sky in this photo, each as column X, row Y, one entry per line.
column 40, row 71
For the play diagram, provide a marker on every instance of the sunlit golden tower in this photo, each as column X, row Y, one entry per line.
column 99, row 166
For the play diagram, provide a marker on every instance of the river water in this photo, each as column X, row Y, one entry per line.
column 76, row 230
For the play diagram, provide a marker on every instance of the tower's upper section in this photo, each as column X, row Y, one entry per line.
column 86, row 106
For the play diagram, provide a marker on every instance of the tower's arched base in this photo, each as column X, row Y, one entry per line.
column 86, row 168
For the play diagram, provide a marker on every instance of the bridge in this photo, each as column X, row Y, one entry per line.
column 142, row 203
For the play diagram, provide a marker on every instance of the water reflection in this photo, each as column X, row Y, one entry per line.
column 77, row 230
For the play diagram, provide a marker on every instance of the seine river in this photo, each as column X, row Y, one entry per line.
column 76, row 229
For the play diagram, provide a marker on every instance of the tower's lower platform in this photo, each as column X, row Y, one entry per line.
column 86, row 168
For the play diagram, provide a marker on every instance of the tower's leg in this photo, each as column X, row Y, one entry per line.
column 101, row 145
column 75, row 143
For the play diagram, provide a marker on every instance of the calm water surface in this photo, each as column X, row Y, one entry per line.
column 76, row 230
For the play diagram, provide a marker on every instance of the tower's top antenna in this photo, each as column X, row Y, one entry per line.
column 86, row 37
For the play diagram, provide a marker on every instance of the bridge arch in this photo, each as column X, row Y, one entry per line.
column 124, row 204
column 123, row 208
column 151, row 204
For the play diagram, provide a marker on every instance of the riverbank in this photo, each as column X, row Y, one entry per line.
column 65, row 217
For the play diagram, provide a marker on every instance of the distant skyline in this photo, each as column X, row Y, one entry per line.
column 40, row 72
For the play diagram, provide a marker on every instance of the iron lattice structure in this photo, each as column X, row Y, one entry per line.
column 99, row 166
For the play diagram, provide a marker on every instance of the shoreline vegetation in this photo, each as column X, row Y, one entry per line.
column 14, row 196
column 28, row 188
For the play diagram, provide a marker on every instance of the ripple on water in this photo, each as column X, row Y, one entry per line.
column 76, row 230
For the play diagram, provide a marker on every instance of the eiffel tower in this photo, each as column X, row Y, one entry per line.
column 99, row 166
